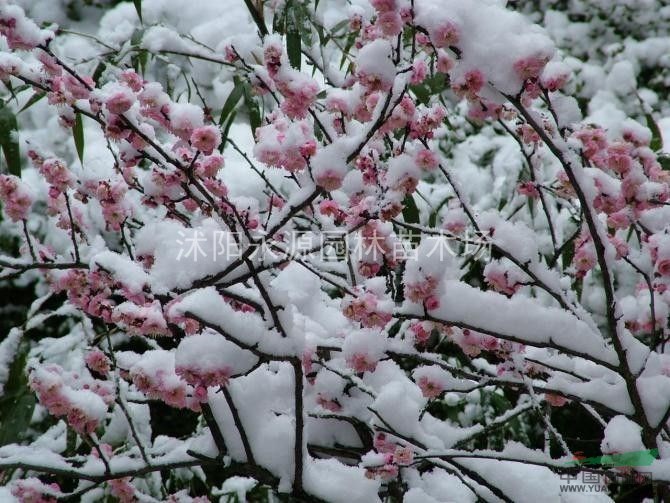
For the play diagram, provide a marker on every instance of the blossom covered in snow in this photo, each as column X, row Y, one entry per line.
column 332, row 251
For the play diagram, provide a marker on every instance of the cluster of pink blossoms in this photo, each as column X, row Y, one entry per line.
column 16, row 196
column 89, row 291
column 97, row 361
column 201, row 379
column 421, row 331
column 528, row 189
column 390, row 457
column 285, row 144
column 161, row 383
column 506, row 280
column 429, row 387
column 472, row 343
column 33, row 490
column 141, row 319
column 82, row 400
column 330, row 404
column 111, row 197
column 389, row 22
column 628, row 180
column 299, row 90
column 379, row 246
column 423, row 291
column 65, row 89
column 362, row 362
column 19, row 31
column 367, row 309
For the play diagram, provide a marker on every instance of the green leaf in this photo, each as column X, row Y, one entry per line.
column 18, row 402
column 293, row 46
column 568, row 254
column 664, row 161
column 656, row 138
column 138, row 8
column 140, row 57
column 97, row 73
column 231, row 101
column 432, row 219
column 9, row 140
column 531, row 207
column 292, row 30
column 252, row 108
column 351, row 40
column 78, row 132
column 225, row 130
column 433, row 85
column 339, row 26
column 33, row 99
column 410, row 214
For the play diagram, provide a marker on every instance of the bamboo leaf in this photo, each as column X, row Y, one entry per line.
column 18, row 402
column 33, row 99
column 231, row 101
column 656, row 138
column 138, row 8
column 225, row 130
column 97, row 73
column 410, row 214
column 9, row 140
column 252, row 108
column 432, row 219
column 78, row 132
column 293, row 39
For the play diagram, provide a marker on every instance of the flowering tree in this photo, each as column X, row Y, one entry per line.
column 332, row 251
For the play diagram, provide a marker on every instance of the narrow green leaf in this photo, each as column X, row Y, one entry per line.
column 33, row 99
column 531, row 207
column 432, row 219
column 568, row 254
column 339, row 26
column 138, row 8
column 225, row 130
column 70, row 441
column 293, row 22
column 664, row 161
column 97, row 73
column 351, row 39
column 78, row 132
column 293, row 46
column 9, row 140
column 656, row 138
column 231, row 101
column 18, row 402
column 410, row 214
column 257, row 17
column 252, row 108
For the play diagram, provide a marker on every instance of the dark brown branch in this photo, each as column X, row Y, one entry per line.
column 238, row 424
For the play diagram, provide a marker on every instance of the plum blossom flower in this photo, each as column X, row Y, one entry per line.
column 555, row 400
column 421, row 290
column 528, row 189
column 446, row 34
column 430, row 388
column 16, row 196
column 120, row 101
column 329, row 179
column 206, row 139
